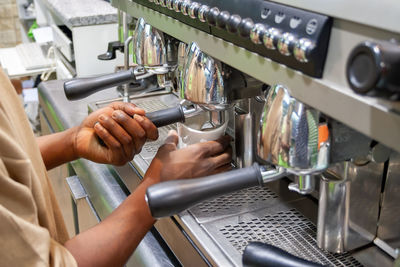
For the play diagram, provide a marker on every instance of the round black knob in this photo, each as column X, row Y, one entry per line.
column 212, row 16
column 374, row 66
column 245, row 27
column 222, row 19
column 233, row 23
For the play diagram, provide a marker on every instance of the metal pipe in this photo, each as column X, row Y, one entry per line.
column 126, row 66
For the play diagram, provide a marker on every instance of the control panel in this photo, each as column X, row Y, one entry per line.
column 291, row 36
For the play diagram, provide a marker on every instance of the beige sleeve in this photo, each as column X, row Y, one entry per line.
column 23, row 241
column 27, row 244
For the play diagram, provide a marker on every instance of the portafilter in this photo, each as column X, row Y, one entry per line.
column 290, row 137
column 206, row 84
column 150, row 56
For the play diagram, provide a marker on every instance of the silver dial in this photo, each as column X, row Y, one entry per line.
column 191, row 11
column 176, row 5
column 185, row 7
column 169, row 4
column 256, row 33
column 271, row 37
column 286, row 44
column 302, row 49
column 203, row 10
column 163, row 3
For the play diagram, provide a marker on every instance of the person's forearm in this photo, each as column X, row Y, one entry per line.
column 113, row 241
column 57, row 148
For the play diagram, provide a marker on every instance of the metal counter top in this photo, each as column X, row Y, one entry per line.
column 74, row 13
column 100, row 181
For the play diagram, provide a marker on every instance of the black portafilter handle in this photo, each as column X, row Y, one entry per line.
column 82, row 87
column 171, row 197
column 162, row 118
column 258, row 254
column 167, row 116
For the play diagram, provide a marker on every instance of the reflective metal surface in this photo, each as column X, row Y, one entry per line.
column 203, row 81
column 271, row 38
column 302, row 49
column 303, row 184
column 389, row 221
column 291, row 136
column 149, row 45
column 244, row 138
column 182, row 50
column 349, row 206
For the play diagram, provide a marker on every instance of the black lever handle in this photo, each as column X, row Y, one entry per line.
column 111, row 49
column 166, row 116
column 172, row 197
column 163, row 117
column 259, row 254
column 82, row 87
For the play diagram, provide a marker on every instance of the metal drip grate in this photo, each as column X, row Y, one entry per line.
column 243, row 201
column 151, row 105
column 237, row 200
column 288, row 230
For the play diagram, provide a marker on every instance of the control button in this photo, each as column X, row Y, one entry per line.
column 311, row 26
column 177, row 5
column 193, row 10
column 245, row 27
column 257, row 32
column 279, row 17
column 222, row 19
column 233, row 23
column 286, row 44
column 203, row 11
column 374, row 67
column 212, row 16
column 169, row 4
column 185, row 7
column 294, row 22
column 265, row 13
column 302, row 49
column 271, row 37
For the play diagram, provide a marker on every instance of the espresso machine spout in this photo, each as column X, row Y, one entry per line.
column 152, row 63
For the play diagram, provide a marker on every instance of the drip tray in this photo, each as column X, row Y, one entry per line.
column 280, row 224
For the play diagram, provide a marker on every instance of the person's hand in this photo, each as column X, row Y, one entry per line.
column 196, row 160
column 123, row 136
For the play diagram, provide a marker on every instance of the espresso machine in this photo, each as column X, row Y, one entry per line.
column 310, row 93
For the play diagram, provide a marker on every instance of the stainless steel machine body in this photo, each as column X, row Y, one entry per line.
column 356, row 219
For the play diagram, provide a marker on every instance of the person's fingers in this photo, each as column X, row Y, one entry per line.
column 150, row 129
column 223, row 168
column 128, row 108
column 172, row 138
column 216, row 147
column 170, row 142
column 110, row 124
column 222, row 159
column 108, row 139
column 133, row 128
